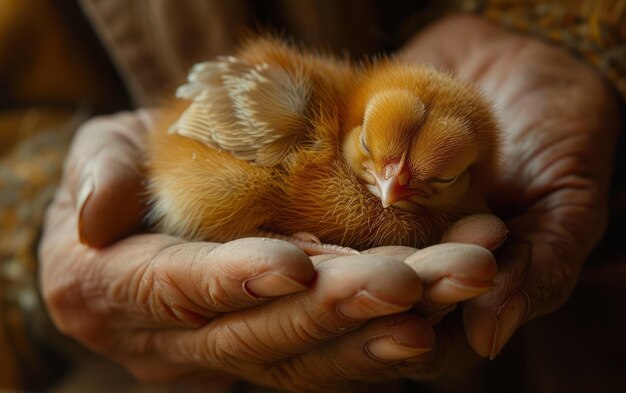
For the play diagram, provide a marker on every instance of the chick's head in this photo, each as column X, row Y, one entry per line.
column 412, row 152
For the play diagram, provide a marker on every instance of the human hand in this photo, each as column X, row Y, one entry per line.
column 559, row 123
column 166, row 309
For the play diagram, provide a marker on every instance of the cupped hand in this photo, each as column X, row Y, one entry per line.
column 255, row 309
column 559, row 124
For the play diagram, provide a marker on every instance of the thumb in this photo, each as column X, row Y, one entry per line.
column 537, row 270
column 491, row 319
column 105, row 175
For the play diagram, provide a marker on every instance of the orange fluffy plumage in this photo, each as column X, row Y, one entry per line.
column 278, row 141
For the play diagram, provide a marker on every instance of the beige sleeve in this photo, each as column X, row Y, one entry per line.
column 153, row 43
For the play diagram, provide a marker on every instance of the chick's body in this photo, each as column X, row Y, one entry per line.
column 281, row 141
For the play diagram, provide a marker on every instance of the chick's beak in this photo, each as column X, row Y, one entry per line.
column 392, row 184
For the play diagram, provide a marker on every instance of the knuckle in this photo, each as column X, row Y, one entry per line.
column 222, row 352
column 342, row 370
column 71, row 290
column 62, row 303
column 217, row 294
column 234, row 346
column 222, row 284
column 210, row 289
column 87, row 328
column 316, row 324
column 158, row 290
column 307, row 330
column 87, row 131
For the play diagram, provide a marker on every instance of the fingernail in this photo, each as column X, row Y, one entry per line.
column 453, row 290
column 84, row 192
column 387, row 348
column 272, row 284
column 508, row 320
column 364, row 305
column 467, row 285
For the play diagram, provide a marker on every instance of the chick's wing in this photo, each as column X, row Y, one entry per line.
column 255, row 111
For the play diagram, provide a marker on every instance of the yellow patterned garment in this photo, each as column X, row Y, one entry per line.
column 28, row 175
column 594, row 30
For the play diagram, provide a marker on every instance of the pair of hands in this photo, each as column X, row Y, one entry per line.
column 263, row 311
column 168, row 310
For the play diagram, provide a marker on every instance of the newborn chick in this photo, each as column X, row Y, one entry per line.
column 281, row 142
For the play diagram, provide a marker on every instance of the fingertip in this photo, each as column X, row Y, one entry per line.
column 451, row 290
column 405, row 336
column 489, row 330
column 480, row 329
column 466, row 264
column 391, row 279
column 492, row 318
column 484, row 230
column 110, row 207
column 267, row 255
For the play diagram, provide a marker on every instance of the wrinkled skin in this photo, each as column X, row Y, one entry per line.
column 560, row 123
column 170, row 310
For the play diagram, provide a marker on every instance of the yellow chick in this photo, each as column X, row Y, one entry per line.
column 276, row 141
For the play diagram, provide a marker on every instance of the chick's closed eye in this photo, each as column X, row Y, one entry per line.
column 366, row 150
column 444, row 181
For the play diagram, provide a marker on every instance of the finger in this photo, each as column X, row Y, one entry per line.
column 157, row 281
column 454, row 272
column 205, row 279
column 365, row 354
column 398, row 252
column 451, row 358
column 491, row 319
column 348, row 292
column 472, row 278
column 484, row 230
column 104, row 173
column 447, row 276
column 539, row 268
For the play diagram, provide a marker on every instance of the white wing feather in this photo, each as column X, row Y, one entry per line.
column 256, row 112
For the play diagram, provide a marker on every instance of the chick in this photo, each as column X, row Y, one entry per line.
column 329, row 155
